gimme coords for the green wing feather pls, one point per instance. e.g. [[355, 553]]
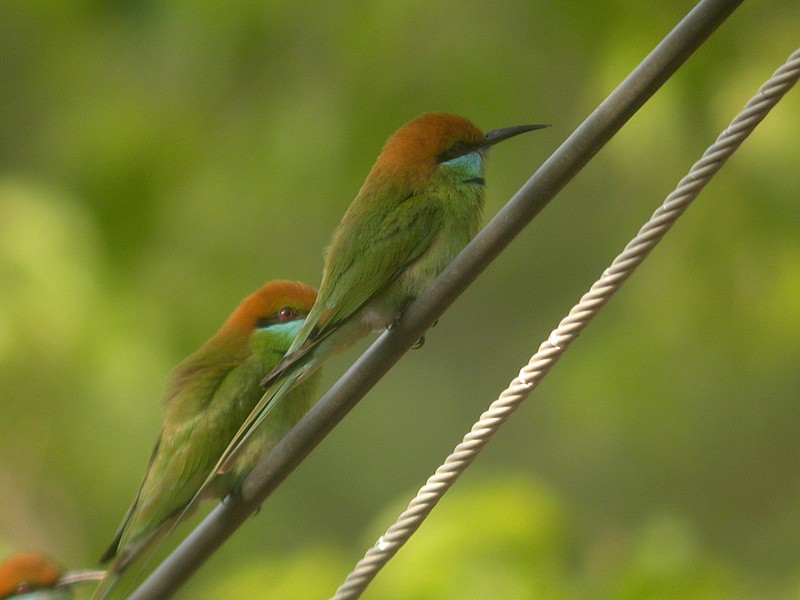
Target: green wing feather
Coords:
[[369, 252], [395, 238], [370, 256], [185, 451]]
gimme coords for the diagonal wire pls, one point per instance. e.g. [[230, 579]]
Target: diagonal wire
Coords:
[[570, 327]]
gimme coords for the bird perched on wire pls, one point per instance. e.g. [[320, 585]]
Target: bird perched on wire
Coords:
[[208, 398], [34, 576], [420, 205], [26, 573]]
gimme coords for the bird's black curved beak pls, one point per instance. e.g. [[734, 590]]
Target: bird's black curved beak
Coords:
[[489, 139], [496, 136]]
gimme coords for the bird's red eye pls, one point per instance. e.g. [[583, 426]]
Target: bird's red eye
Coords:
[[287, 314]]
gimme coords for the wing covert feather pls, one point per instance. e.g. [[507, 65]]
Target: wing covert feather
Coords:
[[371, 254]]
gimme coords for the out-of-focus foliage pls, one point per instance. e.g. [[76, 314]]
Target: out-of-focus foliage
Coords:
[[160, 160], [510, 537]]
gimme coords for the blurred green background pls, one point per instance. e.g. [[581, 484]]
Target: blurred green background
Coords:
[[161, 160]]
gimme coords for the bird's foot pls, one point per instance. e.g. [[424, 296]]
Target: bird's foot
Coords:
[[235, 495], [420, 342]]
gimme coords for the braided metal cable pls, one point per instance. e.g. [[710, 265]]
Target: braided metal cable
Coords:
[[570, 327]]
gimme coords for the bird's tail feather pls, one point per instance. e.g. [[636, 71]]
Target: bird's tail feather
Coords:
[[282, 367], [133, 553], [273, 395]]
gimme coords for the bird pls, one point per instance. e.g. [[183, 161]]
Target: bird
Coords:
[[29, 575], [35, 576], [420, 205], [208, 396]]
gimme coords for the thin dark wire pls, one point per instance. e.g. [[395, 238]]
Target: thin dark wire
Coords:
[[554, 174], [569, 328]]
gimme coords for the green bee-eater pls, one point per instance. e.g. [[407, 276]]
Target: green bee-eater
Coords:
[[29, 575], [33, 576], [421, 203], [208, 397]]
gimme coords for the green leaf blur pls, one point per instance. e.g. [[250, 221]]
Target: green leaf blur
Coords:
[[161, 160]]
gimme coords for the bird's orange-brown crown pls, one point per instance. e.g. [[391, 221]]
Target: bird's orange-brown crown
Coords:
[[268, 301], [27, 571], [413, 149]]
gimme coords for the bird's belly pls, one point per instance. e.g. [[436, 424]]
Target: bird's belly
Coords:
[[377, 316], [421, 273], [387, 307]]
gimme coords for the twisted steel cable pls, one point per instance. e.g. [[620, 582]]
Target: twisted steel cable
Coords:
[[570, 327]]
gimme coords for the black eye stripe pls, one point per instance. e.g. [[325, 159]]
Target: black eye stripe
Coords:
[[459, 148], [264, 322]]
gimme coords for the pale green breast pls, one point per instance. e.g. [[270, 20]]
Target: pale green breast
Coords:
[[286, 413]]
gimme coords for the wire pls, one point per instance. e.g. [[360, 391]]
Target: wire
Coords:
[[570, 327]]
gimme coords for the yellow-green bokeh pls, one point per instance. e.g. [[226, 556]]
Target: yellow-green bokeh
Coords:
[[159, 160]]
